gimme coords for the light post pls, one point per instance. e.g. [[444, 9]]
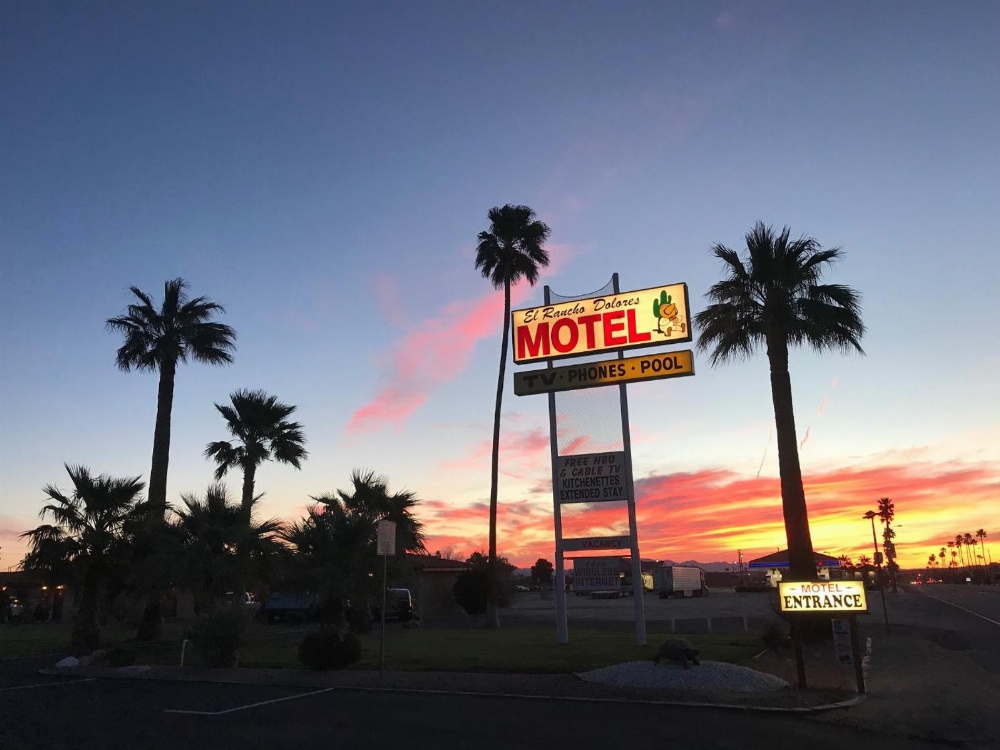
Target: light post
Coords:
[[871, 515]]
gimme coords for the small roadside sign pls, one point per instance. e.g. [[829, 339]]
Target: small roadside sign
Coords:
[[386, 538]]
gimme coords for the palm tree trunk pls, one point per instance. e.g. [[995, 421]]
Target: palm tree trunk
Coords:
[[492, 592], [246, 500], [86, 631], [801, 561], [161, 441], [152, 616]]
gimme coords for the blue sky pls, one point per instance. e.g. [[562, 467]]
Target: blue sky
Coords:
[[322, 170]]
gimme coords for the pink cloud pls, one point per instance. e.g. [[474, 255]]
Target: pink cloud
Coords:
[[437, 350]]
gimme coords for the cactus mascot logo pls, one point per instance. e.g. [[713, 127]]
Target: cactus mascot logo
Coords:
[[665, 309]]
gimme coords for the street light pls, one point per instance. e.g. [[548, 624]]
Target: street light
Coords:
[[871, 515]]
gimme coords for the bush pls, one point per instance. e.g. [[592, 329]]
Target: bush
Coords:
[[329, 648], [218, 636], [121, 656], [776, 638]]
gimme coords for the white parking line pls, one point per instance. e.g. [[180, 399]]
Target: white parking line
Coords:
[[956, 606], [243, 708], [46, 684]]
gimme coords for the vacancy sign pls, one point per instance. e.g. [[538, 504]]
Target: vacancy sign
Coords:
[[646, 317], [822, 596]]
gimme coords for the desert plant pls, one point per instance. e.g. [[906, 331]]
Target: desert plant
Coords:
[[218, 636], [330, 648], [775, 637]]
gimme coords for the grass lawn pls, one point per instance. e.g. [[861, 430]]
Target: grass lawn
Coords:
[[515, 650]]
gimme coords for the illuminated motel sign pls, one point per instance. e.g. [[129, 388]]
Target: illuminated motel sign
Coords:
[[627, 320], [822, 596]]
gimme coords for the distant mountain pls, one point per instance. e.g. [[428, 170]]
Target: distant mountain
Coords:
[[711, 567]]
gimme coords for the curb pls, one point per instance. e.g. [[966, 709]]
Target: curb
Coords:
[[130, 673]]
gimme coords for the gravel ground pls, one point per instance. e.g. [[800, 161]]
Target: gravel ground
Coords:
[[709, 675]]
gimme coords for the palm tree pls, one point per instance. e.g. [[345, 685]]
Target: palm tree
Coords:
[[981, 533], [886, 512], [513, 248], [259, 422], [970, 544], [181, 329], [336, 544], [961, 552], [774, 300], [210, 531], [90, 527]]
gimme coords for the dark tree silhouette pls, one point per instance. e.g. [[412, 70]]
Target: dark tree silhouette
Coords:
[[773, 299], [511, 249]]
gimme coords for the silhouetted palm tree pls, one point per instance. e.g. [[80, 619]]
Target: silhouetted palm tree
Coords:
[[970, 544], [774, 300], [336, 544], [259, 422], [981, 533], [961, 552], [887, 512], [90, 526], [511, 249], [157, 339], [210, 532]]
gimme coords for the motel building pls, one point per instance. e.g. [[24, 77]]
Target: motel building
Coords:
[[775, 566]]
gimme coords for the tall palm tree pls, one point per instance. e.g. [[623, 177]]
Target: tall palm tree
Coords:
[[210, 531], [259, 422], [89, 526], [774, 299], [959, 539], [970, 544], [887, 512], [513, 248], [981, 533], [157, 339]]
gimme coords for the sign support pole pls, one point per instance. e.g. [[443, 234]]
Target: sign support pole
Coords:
[[859, 672], [385, 545], [381, 644], [562, 624], [638, 590]]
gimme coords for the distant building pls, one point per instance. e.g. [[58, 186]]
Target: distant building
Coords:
[[776, 564]]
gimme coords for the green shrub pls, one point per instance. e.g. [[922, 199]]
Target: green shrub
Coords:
[[776, 637], [218, 636], [121, 656], [329, 648]]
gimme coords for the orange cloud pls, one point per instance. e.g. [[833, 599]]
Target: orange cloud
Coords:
[[710, 514]]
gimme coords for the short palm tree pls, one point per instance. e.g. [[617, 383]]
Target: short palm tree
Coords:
[[513, 248], [89, 526], [157, 339], [774, 299], [210, 531], [338, 541], [259, 422]]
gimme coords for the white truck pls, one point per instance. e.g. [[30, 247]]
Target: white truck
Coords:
[[679, 581]]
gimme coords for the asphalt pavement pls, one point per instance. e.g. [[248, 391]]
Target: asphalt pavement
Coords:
[[934, 681]]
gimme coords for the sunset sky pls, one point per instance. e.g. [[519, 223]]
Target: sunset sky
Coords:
[[322, 170]]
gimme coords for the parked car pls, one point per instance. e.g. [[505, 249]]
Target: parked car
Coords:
[[398, 605]]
